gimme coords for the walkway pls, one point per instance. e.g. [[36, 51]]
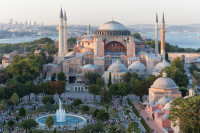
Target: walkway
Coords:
[[150, 122]]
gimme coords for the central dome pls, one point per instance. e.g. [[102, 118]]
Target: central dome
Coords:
[[117, 67], [113, 28], [112, 25]]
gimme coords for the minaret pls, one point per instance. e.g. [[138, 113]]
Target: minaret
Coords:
[[88, 30], [156, 35], [65, 34], [163, 37], [61, 38]]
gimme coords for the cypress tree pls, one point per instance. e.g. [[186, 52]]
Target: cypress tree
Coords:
[[109, 81]]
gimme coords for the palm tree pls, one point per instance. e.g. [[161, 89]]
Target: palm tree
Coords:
[[113, 129], [49, 122]]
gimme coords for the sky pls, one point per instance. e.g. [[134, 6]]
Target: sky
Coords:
[[97, 12]]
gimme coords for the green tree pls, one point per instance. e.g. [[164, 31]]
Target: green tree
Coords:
[[49, 122], [176, 72], [150, 80], [61, 77], [137, 36], [184, 91], [2, 93], [48, 99], [50, 48], [126, 77], [23, 66], [3, 76], [94, 89], [102, 115], [123, 89], [10, 123], [130, 128], [109, 80], [30, 87], [92, 77], [94, 128], [113, 89], [113, 129], [77, 102], [28, 124], [105, 96], [184, 112], [53, 77], [178, 63], [15, 99], [193, 68], [57, 87], [140, 89], [44, 40], [2, 107], [85, 108], [100, 82], [22, 112]]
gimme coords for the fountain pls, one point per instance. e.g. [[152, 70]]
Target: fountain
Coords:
[[60, 113], [61, 118]]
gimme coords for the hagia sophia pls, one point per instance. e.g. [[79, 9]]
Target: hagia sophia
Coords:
[[110, 49]]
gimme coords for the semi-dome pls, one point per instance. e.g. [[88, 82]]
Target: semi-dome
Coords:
[[90, 66], [164, 100], [160, 66], [117, 67], [164, 83], [137, 67], [112, 25], [112, 28], [167, 106]]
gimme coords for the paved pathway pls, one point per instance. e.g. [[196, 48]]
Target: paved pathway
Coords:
[[150, 122]]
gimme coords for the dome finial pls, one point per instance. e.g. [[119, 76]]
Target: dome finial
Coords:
[[112, 18], [164, 74], [117, 61]]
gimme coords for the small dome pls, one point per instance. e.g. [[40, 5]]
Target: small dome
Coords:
[[167, 106], [117, 67], [164, 83], [164, 100], [160, 66], [90, 66], [112, 25], [137, 67]]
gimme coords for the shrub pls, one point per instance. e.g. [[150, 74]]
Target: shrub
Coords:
[[85, 108]]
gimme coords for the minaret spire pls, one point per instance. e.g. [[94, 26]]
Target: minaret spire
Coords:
[[163, 37], [156, 35], [61, 55], [88, 31], [61, 13], [65, 33], [163, 18]]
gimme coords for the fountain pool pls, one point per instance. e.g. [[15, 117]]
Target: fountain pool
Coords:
[[69, 120], [63, 119]]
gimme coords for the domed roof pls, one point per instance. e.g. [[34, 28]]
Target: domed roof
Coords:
[[89, 66], [117, 67], [164, 100], [167, 106], [112, 25], [137, 66], [164, 83], [160, 66]]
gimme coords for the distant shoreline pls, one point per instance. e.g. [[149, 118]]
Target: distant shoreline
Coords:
[[181, 39]]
